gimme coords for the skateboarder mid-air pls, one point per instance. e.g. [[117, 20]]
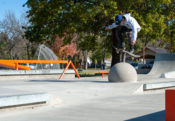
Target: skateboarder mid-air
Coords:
[[126, 24]]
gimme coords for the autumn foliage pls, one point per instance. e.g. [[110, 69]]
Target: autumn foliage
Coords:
[[64, 51]]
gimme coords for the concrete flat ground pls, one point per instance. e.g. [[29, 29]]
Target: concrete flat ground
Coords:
[[86, 99]]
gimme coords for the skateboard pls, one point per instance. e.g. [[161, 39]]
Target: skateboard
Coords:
[[123, 53], [131, 54]]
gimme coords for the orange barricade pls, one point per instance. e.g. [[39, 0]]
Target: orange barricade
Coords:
[[104, 73], [14, 64]]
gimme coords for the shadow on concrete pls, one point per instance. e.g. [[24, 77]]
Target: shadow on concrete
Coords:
[[157, 116], [69, 81]]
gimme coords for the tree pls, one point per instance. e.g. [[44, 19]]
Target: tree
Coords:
[[12, 35], [89, 17], [3, 46], [85, 18], [170, 22], [64, 51], [53, 17], [171, 36], [13, 44]]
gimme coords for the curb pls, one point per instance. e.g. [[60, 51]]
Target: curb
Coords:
[[24, 99], [161, 85]]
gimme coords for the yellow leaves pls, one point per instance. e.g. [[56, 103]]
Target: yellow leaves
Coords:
[[40, 5], [60, 7], [149, 18], [113, 4], [106, 12], [166, 1]]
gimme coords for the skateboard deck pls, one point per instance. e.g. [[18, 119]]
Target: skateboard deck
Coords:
[[131, 54], [127, 52]]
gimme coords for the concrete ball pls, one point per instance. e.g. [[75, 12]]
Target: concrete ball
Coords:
[[122, 72]]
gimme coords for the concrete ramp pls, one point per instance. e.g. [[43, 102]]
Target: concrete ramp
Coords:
[[163, 63]]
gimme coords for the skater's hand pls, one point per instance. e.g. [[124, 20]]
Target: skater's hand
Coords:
[[133, 42]]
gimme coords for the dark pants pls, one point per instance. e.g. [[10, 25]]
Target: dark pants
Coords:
[[121, 32]]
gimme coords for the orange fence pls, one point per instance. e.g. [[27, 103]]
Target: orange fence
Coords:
[[104, 73], [15, 64]]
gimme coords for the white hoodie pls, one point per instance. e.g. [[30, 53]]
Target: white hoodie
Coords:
[[131, 23]]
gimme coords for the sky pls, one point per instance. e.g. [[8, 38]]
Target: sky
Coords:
[[15, 6]]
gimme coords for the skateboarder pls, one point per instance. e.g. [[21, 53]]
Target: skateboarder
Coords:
[[118, 20], [127, 24]]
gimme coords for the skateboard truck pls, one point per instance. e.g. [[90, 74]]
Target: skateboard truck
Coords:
[[123, 53]]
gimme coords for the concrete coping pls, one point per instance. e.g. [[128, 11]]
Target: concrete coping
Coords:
[[170, 74], [35, 72], [161, 85], [23, 99]]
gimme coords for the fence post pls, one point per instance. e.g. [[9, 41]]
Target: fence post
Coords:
[[16, 66], [65, 70], [76, 72]]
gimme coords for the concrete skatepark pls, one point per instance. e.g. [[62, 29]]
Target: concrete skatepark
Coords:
[[88, 99]]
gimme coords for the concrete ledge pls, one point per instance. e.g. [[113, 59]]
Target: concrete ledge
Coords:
[[53, 74], [161, 85], [24, 99], [34, 72], [36, 77], [168, 75]]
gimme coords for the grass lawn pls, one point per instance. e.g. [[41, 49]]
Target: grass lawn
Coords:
[[91, 72]]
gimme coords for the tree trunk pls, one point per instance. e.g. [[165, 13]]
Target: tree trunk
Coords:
[[144, 48], [172, 49], [115, 56], [28, 50], [85, 54], [143, 54]]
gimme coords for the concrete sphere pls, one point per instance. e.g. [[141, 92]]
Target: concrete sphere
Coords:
[[122, 72]]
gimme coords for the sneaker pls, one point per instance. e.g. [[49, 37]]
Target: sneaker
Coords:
[[131, 51]]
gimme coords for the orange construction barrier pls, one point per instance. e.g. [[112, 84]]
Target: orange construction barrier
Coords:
[[104, 73], [33, 61], [70, 63], [170, 105], [15, 64]]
